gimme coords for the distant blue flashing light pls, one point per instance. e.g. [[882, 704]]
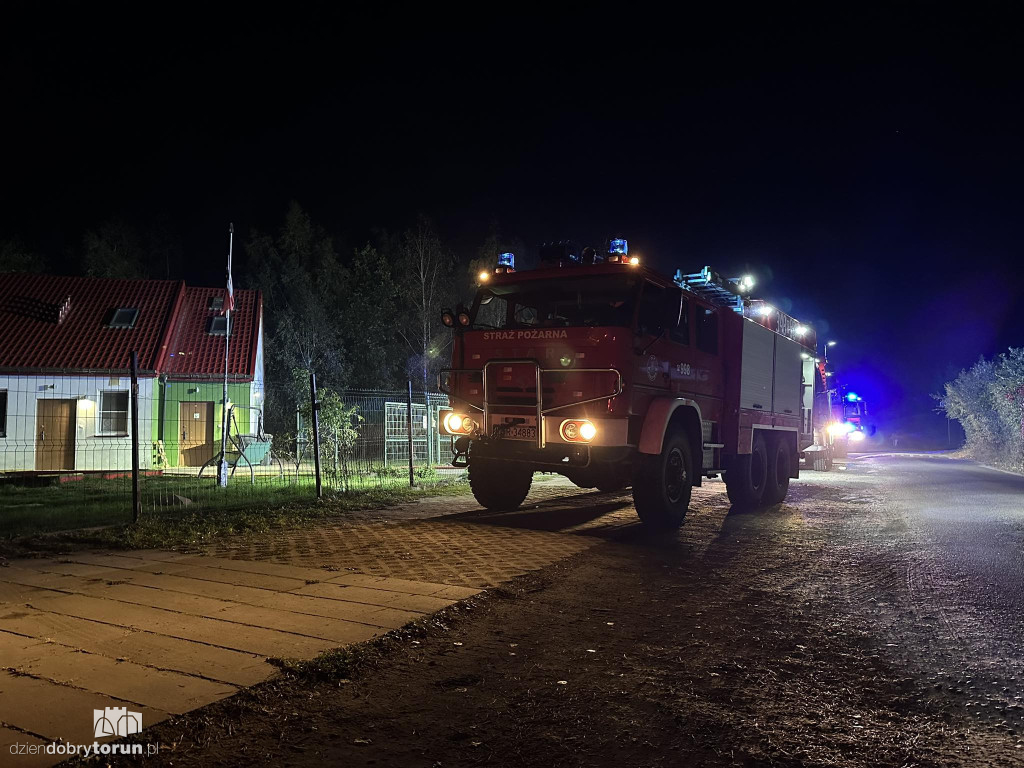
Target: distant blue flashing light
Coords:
[[507, 260], [618, 246], [852, 397]]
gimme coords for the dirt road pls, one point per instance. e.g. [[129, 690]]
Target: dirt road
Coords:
[[874, 619]]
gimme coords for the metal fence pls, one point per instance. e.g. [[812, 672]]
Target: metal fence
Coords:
[[66, 446]]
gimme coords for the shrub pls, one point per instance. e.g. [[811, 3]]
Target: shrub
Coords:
[[988, 401]]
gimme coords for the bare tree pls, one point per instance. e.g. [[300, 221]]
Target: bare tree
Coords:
[[426, 269]]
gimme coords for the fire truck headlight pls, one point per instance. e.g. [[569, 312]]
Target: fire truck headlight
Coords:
[[464, 318], [447, 319], [484, 276], [857, 436], [634, 260], [840, 428], [577, 431], [457, 423]]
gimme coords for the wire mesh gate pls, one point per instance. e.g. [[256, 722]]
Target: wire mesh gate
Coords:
[[429, 445]]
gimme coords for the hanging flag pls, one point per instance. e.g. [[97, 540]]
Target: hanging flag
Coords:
[[229, 301]]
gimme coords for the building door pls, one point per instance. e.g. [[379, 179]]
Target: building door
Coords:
[[196, 428], [55, 435]]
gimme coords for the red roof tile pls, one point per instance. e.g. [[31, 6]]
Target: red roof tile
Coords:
[[54, 323], [194, 352]]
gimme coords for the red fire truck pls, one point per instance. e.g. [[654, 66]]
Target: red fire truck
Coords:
[[603, 370]]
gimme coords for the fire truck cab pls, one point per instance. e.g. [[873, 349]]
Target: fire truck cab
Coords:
[[614, 375]]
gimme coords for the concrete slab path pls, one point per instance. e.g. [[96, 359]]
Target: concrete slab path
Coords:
[[162, 633]]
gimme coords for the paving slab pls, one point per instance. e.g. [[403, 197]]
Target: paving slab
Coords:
[[52, 711], [10, 738], [170, 691], [199, 659], [16, 593], [223, 634], [409, 587], [296, 600], [336, 630], [154, 650], [259, 566], [68, 630], [400, 600]]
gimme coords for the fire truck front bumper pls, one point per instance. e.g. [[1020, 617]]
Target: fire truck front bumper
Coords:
[[565, 442], [556, 430]]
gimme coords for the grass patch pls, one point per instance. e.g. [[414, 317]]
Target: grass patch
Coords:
[[39, 519]]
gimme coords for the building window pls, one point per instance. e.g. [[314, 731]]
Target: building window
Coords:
[[707, 330], [216, 304], [114, 413], [217, 326], [3, 413], [124, 317]]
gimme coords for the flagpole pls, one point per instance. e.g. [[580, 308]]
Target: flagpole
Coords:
[[222, 473]]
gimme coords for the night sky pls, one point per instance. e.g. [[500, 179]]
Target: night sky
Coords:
[[866, 168]]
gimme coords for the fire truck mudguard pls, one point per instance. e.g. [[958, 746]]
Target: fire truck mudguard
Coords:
[[664, 411]]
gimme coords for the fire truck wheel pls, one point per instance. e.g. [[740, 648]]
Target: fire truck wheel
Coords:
[[780, 461], [747, 476], [661, 490], [498, 485]]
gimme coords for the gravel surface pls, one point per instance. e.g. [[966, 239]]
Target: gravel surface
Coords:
[[873, 620]]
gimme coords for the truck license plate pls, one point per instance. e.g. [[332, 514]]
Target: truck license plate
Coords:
[[520, 432]]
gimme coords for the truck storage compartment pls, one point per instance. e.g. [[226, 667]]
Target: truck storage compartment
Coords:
[[756, 367], [788, 374]]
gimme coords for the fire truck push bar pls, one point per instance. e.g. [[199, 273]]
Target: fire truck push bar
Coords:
[[541, 410]]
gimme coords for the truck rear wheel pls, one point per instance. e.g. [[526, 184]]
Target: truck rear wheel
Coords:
[[780, 461], [747, 475], [661, 490], [497, 485]]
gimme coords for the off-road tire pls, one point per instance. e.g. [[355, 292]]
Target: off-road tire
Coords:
[[498, 485], [663, 484], [780, 462], [747, 476]]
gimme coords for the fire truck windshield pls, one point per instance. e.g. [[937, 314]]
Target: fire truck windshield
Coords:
[[581, 300]]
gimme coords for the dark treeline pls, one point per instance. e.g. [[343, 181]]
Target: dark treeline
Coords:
[[367, 317]]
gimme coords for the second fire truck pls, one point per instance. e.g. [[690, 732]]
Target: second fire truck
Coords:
[[601, 369]]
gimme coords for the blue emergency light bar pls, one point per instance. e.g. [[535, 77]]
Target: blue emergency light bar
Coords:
[[618, 246], [507, 260]]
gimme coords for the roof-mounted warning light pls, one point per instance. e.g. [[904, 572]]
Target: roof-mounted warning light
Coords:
[[618, 250], [506, 263]]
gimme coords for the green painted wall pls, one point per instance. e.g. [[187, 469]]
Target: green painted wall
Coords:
[[173, 393]]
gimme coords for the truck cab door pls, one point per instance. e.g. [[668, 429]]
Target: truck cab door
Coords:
[[651, 335]]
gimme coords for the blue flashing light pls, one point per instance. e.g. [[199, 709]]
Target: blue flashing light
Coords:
[[618, 246], [852, 397], [507, 260]]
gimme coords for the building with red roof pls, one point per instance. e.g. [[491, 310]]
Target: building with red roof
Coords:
[[65, 344]]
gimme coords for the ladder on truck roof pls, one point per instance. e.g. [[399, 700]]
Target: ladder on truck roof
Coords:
[[708, 284]]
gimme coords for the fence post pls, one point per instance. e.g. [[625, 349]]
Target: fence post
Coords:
[[136, 501], [315, 410], [408, 424]]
